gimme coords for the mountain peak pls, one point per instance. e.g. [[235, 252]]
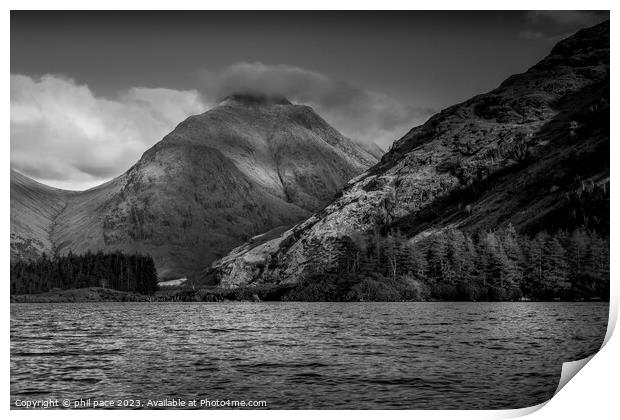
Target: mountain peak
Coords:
[[248, 98], [252, 164]]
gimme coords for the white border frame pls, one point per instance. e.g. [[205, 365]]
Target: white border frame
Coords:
[[592, 394]]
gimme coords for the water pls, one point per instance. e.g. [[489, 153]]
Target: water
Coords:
[[302, 355]]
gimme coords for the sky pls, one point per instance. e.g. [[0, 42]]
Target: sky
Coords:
[[92, 91]]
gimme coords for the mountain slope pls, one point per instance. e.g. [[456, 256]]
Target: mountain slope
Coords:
[[247, 166], [34, 209], [287, 149], [534, 152]]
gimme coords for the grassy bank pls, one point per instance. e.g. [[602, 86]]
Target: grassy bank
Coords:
[[166, 294], [87, 294]]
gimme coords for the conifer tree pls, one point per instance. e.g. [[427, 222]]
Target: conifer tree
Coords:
[[554, 267]]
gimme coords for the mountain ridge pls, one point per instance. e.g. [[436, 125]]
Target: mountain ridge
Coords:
[[509, 156]]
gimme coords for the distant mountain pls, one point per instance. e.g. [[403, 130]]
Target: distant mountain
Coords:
[[533, 153], [247, 166], [374, 150]]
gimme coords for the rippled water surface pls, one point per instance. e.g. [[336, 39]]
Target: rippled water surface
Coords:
[[302, 355]]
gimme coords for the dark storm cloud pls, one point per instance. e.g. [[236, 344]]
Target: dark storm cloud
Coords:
[[579, 18], [553, 25], [365, 116]]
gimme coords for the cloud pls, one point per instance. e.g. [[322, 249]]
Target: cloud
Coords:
[[554, 25], [577, 18], [363, 115], [64, 135]]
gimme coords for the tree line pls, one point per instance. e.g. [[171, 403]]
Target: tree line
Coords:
[[119, 271], [454, 265]]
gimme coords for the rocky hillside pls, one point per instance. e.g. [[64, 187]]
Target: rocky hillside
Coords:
[[533, 153], [245, 167]]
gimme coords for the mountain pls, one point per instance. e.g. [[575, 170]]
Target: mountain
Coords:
[[533, 153], [249, 165], [34, 208], [374, 150]]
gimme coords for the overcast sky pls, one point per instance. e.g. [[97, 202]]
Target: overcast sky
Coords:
[[91, 91]]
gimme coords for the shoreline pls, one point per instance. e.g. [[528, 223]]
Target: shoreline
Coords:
[[213, 295]]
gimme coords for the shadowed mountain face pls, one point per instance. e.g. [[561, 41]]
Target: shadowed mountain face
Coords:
[[534, 153], [247, 166]]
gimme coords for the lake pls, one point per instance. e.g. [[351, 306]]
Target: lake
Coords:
[[302, 355]]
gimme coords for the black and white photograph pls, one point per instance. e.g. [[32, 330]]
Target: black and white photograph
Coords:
[[306, 210]]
